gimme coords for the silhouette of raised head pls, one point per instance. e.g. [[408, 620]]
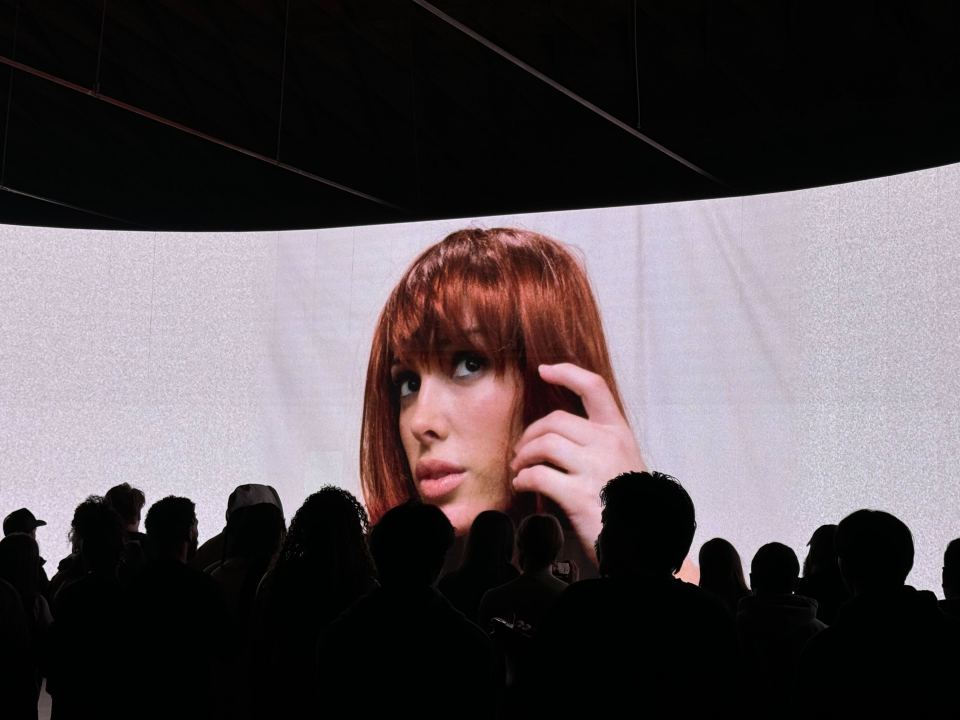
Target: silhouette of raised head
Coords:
[[172, 527], [774, 570], [539, 540], [648, 524], [98, 531], [128, 502], [875, 551], [410, 543]]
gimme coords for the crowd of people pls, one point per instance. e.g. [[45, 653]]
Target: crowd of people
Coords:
[[330, 617]]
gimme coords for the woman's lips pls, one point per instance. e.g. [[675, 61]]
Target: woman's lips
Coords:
[[437, 478]]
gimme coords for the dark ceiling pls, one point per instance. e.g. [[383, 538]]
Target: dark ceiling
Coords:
[[254, 114]]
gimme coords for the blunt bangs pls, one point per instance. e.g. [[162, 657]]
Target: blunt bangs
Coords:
[[455, 300]]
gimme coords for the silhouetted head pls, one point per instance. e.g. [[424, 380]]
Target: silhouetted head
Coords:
[[128, 502], [721, 570], [775, 570], [97, 530], [20, 565], [539, 539], [410, 543], [875, 551], [22, 521], [255, 531], [490, 542], [328, 534], [648, 524], [252, 494], [951, 570], [822, 556], [172, 528]]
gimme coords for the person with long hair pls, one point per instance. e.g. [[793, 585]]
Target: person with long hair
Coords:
[[323, 567], [490, 386], [821, 578], [721, 573]]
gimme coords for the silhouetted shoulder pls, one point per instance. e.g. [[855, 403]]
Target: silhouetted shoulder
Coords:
[[585, 591], [649, 637], [408, 639], [951, 607], [884, 650], [645, 591], [527, 598]]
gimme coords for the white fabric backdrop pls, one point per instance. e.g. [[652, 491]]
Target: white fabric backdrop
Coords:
[[789, 357]]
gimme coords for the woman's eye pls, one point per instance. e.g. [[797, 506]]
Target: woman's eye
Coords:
[[407, 384], [467, 365]]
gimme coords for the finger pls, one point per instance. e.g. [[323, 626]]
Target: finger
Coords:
[[593, 390], [573, 427], [550, 448], [544, 480]]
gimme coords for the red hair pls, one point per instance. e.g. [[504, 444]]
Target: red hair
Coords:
[[518, 297]]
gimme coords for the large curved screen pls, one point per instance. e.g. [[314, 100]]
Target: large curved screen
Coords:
[[790, 357]]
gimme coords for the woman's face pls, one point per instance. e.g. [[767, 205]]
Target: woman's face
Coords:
[[458, 422]]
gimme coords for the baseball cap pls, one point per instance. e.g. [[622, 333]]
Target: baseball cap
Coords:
[[22, 521]]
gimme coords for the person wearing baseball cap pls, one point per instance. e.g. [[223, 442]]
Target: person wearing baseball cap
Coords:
[[22, 521]]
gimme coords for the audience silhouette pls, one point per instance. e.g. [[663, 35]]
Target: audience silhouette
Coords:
[[252, 540], [128, 503], [19, 567], [525, 600], [255, 533], [890, 648], [323, 567], [821, 579], [511, 613], [214, 550], [19, 688], [773, 626], [487, 563], [331, 618], [88, 670], [403, 650], [638, 639], [721, 573], [24, 521], [180, 616]]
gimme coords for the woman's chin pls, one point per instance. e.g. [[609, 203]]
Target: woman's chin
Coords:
[[689, 572], [461, 513], [460, 517]]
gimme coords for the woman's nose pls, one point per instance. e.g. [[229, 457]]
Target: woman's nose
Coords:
[[430, 419]]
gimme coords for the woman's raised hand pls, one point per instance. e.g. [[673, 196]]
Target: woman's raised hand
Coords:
[[569, 458]]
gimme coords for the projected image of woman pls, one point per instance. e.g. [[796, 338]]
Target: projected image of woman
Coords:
[[489, 380]]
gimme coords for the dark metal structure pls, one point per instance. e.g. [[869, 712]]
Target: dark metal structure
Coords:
[[253, 114]]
